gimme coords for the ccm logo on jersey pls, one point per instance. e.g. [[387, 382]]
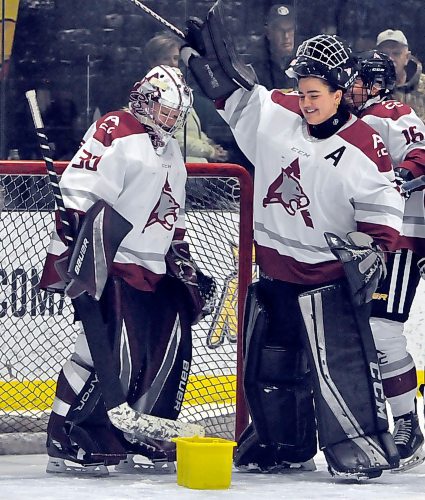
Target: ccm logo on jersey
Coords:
[[81, 255]]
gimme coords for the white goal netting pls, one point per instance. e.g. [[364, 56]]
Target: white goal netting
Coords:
[[36, 327]]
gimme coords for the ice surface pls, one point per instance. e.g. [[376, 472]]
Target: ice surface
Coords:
[[23, 477]]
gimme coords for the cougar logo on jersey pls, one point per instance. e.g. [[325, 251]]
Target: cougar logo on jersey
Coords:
[[166, 210], [287, 191]]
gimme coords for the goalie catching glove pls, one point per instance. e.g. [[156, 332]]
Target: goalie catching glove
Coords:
[[202, 289], [363, 263], [211, 56]]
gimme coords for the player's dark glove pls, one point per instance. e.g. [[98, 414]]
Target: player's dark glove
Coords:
[[403, 175], [193, 35], [363, 263], [421, 266]]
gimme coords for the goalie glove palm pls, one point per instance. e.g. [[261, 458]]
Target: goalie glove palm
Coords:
[[363, 263]]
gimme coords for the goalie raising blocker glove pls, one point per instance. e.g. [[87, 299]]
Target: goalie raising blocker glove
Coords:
[[363, 263]]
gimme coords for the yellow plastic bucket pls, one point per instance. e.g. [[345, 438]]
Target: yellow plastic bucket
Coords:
[[204, 463]]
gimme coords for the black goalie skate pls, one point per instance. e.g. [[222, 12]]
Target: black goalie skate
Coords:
[[148, 456], [80, 451], [252, 456], [409, 440]]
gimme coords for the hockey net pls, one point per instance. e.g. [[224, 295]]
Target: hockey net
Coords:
[[37, 328]]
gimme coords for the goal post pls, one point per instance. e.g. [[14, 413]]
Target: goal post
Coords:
[[37, 328]]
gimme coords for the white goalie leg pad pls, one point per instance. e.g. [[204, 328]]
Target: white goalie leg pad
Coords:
[[352, 424]]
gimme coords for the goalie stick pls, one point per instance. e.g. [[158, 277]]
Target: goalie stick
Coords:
[[160, 19], [138, 425], [413, 184]]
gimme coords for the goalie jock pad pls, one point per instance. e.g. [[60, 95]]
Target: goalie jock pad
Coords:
[[212, 58], [349, 397], [100, 235]]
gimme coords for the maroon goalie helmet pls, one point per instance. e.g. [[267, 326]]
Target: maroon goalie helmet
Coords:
[[162, 100]]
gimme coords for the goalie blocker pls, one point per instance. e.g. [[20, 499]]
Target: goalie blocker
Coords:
[[349, 397], [95, 247], [211, 56]]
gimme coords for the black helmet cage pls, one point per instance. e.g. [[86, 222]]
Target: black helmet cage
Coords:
[[327, 57], [326, 49], [376, 68]]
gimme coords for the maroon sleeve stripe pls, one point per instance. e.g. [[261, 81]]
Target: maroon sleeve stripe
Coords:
[[361, 136], [107, 130], [386, 237], [415, 162], [287, 101]]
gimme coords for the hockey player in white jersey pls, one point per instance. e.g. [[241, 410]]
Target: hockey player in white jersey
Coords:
[[320, 173], [130, 159], [403, 133]]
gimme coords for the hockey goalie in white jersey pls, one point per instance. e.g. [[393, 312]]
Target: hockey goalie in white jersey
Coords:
[[403, 133], [130, 160], [322, 177]]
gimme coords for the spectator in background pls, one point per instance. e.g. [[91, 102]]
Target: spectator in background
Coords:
[[277, 50], [410, 84], [164, 48]]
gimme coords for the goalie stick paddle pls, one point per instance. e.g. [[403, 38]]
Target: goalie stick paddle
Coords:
[[120, 413]]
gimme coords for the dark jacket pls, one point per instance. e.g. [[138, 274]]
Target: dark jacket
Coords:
[[413, 91]]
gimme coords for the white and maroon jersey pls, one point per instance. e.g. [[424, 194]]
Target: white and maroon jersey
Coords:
[[404, 135], [306, 186], [117, 163]]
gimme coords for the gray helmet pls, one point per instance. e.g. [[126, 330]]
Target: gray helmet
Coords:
[[327, 57]]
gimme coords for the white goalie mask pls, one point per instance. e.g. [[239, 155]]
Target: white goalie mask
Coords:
[[162, 101]]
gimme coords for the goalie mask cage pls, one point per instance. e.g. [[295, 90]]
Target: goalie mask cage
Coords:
[[37, 330]]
